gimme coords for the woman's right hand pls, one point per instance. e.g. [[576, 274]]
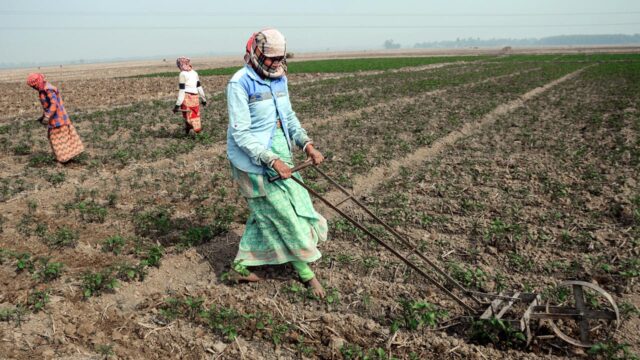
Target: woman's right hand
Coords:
[[282, 169]]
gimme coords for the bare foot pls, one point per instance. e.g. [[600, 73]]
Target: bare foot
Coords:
[[249, 278], [316, 287]]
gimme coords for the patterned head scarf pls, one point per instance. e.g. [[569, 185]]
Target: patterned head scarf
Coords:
[[37, 81], [184, 63], [263, 45]]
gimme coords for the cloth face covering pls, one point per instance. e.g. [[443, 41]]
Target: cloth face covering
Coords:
[[263, 45]]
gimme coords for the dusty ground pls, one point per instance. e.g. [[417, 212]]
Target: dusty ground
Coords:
[[509, 175]]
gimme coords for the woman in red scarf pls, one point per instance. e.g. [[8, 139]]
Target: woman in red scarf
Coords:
[[64, 139]]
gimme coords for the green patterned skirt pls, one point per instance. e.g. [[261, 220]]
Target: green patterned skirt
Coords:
[[283, 225]]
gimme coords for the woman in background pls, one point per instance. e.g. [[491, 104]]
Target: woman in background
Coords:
[[190, 90], [64, 139]]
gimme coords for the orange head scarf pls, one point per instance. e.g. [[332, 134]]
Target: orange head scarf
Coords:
[[36, 81]]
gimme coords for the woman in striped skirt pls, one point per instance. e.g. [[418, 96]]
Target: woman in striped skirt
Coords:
[[283, 226], [64, 139]]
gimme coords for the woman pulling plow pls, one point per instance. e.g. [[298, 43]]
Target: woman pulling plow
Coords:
[[189, 92], [283, 227], [64, 139]]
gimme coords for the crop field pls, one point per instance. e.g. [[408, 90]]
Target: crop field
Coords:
[[511, 172]]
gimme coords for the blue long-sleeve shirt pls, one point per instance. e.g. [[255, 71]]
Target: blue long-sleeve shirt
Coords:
[[255, 105]]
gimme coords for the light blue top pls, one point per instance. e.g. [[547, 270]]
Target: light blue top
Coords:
[[255, 105]]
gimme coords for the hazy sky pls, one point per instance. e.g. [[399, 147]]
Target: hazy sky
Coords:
[[68, 30]]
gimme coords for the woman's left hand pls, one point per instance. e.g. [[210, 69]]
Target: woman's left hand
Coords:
[[313, 154]]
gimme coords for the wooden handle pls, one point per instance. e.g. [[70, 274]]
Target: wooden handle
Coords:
[[294, 169]]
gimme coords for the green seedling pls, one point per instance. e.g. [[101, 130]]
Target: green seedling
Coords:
[[105, 350], [613, 351], [62, 237], [128, 272], [113, 244], [37, 300], [24, 263], [497, 332], [418, 314], [153, 256], [48, 271], [96, 283], [154, 222]]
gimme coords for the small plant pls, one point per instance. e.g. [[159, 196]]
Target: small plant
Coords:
[[193, 306], [105, 350], [224, 320], [497, 332], [628, 310], [63, 237], [500, 282], [358, 159], [630, 268], [370, 262], [13, 314], [500, 232], [37, 300], [332, 297], [48, 271], [236, 268], [519, 262], [4, 255], [468, 277], [55, 178], [96, 283], [295, 291], [154, 222], [344, 258], [112, 198], [127, 272], [40, 160], [89, 211], [22, 149], [195, 236], [302, 348], [278, 332], [170, 310], [153, 256], [351, 351], [612, 351], [113, 244], [355, 352], [24, 262], [417, 314]]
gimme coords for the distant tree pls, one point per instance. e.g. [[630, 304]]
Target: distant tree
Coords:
[[389, 44]]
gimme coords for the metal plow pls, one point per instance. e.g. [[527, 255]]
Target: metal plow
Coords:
[[583, 313]]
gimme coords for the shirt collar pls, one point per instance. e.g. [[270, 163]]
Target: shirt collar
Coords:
[[253, 75]]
